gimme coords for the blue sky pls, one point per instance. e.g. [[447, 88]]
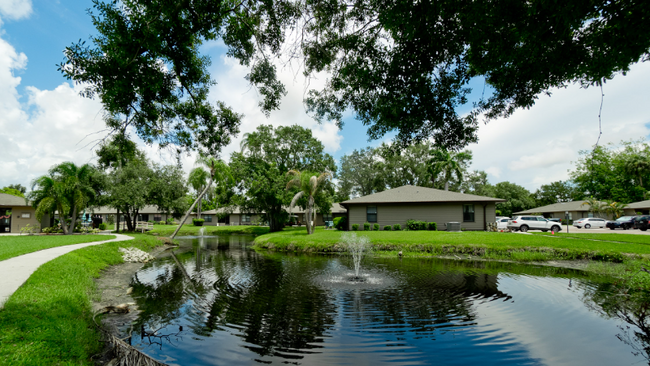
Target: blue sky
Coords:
[[43, 120]]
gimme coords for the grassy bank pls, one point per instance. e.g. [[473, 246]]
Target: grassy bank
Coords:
[[520, 247], [12, 246], [167, 230], [613, 237], [48, 321]]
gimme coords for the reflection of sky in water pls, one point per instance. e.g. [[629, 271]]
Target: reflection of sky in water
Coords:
[[391, 317]]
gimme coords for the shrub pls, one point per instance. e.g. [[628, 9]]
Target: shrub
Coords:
[[432, 226], [102, 226], [375, 227], [366, 226], [355, 227], [415, 225], [161, 223], [397, 227], [170, 221], [340, 223], [387, 228], [197, 222]]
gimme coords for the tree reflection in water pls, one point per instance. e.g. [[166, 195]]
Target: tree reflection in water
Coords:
[[618, 300]]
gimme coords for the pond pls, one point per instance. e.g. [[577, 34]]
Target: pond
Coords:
[[217, 302]]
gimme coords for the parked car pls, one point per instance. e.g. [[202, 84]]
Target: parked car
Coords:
[[555, 219], [502, 223], [642, 222], [525, 223], [589, 222], [623, 222]]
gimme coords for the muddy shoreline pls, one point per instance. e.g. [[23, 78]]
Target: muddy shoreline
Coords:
[[112, 288]]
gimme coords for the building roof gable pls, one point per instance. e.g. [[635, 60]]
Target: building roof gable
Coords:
[[11, 200], [415, 194]]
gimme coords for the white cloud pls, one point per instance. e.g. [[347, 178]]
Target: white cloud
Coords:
[[52, 126], [537, 146], [15, 9]]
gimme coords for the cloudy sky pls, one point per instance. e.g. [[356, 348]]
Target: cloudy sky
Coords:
[[43, 120]]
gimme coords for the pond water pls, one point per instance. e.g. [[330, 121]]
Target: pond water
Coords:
[[217, 302]]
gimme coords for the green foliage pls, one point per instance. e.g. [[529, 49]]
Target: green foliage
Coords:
[[614, 173], [309, 187], [397, 227], [387, 228], [29, 229], [405, 167], [432, 226], [366, 226], [518, 198], [375, 227], [506, 43], [102, 226], [355, 227], [560, 191], [340, 223], [415, 225], [197, 222], [260, 170], [444, 165], [361, 173], [12, 191]]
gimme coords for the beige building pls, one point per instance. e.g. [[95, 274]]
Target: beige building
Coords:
[[633, 208], [235, 216], [576, 209], [397, 205], [147, 213], [16, 213]]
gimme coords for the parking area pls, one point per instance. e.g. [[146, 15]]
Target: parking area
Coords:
[[574, 230]]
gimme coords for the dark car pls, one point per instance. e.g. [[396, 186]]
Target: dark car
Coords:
[[623, 222], [641, 222]]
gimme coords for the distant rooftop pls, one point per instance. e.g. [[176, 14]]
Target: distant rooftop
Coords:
[[11, 200], [414, 194], [557, 207]]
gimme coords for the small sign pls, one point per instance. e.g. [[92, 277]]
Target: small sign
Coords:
[[26, 215]]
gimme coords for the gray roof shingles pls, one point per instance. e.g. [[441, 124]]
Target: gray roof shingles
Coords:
[[11, 200], [415, 194]]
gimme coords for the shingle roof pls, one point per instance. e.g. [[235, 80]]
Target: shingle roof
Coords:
[[413, 194], [336, 208], [148, 209], [641, 204], [11, 200], [558, 207]]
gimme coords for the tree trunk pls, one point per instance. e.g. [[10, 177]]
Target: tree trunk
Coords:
[[446, 185], [135, 219], [118, 220], [180, 225], [72, 220], [64, 225]]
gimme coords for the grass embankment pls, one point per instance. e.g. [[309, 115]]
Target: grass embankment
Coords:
[[48, 321], [613, 237], [13, 246], [167, 230], [519, 247]]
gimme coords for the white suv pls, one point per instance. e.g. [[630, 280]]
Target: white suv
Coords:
[[525, 223], [589, 222]]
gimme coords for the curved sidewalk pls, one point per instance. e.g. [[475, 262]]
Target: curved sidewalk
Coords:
[[15, 271]]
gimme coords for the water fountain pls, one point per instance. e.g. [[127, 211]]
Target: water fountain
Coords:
[[202, 231], [356, 246]]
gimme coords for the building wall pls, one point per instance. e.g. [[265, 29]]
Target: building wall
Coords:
[[440, 213], [575, 215], [18, 222], [236, 219]]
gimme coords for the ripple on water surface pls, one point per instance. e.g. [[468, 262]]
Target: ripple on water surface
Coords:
[[238, 307]]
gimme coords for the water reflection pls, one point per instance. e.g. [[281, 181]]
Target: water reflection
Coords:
[[226, 304]]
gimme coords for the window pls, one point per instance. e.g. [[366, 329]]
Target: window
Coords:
[[246, 218], [207, 218], [157, 218], [468, 213], [327, 217], [371, 213]]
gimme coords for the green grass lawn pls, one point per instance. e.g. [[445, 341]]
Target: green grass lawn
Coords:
[[614, 237], [48, 321], [167, 230], [12, 246], [490, 245]]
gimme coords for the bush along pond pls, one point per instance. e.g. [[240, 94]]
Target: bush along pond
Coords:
[[214, 301]]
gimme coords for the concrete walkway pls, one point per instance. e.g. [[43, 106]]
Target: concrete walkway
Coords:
[[15, 271]]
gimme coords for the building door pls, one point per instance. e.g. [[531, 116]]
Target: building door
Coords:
[[5, 220]]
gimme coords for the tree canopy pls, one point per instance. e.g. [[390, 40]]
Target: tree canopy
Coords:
[[399, 65]]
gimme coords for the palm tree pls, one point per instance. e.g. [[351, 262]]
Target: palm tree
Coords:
[[67, 187], [638, 165], [448, 163], [218, 171], [616, 209], [596, 207], [309, 184], [198, 178]]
